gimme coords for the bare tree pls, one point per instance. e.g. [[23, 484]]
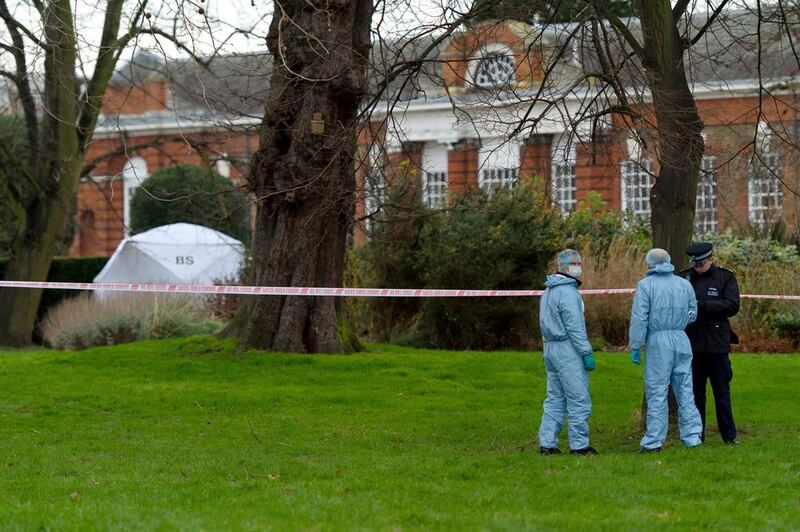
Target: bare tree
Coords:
[[302, 175], [635, 78], [43, 52], [631, 77]]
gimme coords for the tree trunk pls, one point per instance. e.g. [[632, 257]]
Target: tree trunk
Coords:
[[678, 129], [32, 254], [680, 143], [303, 173], [43, 208]]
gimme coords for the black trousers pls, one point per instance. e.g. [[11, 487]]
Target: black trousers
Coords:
[[715, 367]]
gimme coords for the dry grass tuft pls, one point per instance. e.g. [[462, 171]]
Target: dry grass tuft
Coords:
[[608, 316], [88, 321], [622, 267]]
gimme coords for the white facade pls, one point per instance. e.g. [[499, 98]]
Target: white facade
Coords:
[[434, 174], [133, 175]]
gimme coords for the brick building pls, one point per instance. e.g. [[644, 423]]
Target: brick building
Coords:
[[494, 103], [156, 115], [505, 101]]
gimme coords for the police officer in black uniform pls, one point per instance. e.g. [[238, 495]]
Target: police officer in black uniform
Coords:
[[717, 300]]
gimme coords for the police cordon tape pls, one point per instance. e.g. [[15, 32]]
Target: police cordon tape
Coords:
[[320, 291]]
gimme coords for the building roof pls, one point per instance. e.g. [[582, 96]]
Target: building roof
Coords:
[[234, 88], [229, 89]]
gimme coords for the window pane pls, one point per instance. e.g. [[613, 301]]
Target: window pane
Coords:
[[636, 183]]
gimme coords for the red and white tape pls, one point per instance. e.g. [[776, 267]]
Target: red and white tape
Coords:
[[320, 291]]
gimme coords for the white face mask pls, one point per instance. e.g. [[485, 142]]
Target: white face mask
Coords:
[[574, 270]]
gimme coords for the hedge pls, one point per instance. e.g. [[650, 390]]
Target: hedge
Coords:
[[64, 269]]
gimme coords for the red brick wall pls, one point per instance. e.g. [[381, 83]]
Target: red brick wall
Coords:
[[732, 175], [100, 204], [100, 218], [730, 123], [535, 158], [462, 166], [597, 169]]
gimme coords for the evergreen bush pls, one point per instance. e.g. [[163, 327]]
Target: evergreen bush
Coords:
[[504, 242], [191, 194]]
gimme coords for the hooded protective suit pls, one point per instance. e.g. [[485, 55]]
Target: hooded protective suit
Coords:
[[663, 306], [565, 344]]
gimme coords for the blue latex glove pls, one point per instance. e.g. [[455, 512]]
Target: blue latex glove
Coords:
[[588, 362], [636, 357]]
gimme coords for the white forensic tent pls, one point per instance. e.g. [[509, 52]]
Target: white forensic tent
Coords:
[[177, 253]]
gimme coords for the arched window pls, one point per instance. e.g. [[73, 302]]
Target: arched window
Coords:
[[223, 165], [133, 174], [495, 65]]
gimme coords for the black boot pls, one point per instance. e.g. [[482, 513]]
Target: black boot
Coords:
[[585, 450], [645, 450], [549, 450]]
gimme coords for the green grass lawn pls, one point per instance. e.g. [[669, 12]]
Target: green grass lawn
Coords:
[[187, 435]]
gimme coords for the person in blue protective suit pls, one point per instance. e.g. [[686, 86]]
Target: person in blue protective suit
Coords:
[[568, 359], [663, 306]]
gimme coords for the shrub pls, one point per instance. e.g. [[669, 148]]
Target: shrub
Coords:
[[591, 227], [223, 306], [734, 250], [505, 242], [621, 266], [788, 325], [186, 193], [390, 259], [88, 321]]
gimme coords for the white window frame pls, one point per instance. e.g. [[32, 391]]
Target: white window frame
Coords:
[[374, 184], [636, 180], [488, 53], [434, 174], [223, 165], [498, 164], [764, 186], [563, 188], [133, 175], [705, 209], [571, 52]]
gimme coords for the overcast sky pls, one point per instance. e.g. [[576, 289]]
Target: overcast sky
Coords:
[[237, 26]]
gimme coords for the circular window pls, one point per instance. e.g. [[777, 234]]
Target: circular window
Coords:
[[495, 68]]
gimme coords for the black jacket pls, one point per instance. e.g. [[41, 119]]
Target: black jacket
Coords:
[[717, 294]]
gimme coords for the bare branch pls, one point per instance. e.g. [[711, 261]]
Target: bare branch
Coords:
[[415, 65], [128, 148], [205, 62], [601, 7], [104, 68], [22, 170], [21, 82], [709, 22], [14, 26], [680, 8]]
